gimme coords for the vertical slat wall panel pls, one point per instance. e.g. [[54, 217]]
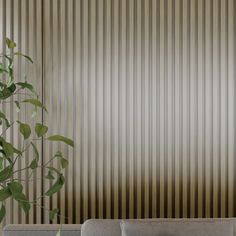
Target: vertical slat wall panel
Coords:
[[153, 104], [99, 107], [192, 107], [55, 75], [200, 111], [216, 110], [8, 109], [84, 109], [231, 102], [107, 106], [185, 108], [176, 71], [162, 107], [77, 118], [21, 20], [146, 88], [223, 107], [47, 90]]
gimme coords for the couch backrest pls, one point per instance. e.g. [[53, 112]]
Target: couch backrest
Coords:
[[101, 228], [112, 227], [41, 230]]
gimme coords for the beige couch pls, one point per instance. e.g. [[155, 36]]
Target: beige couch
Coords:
[[160, 227], [142, 227], [41, 230]]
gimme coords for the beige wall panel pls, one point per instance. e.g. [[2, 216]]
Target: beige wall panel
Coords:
[[21, 21], [146, 88]]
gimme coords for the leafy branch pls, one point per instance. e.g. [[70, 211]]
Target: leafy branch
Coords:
[[11, 186]]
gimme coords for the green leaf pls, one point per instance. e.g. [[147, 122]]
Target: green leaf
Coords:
[[40, 129], [34, 163], [1, 164], [22, 200], [53, 213], [58, 154], [49, 175], [2, 213], [12, 88], [3, 117], [26, 85], [15, 187], [2, 154], [58, 232], [64, 163], [10, 44], [54, 169], [61, 139], [9, 59], [6, 173], [23, 55], [56, 186], [25, 130], [17, 106], [8, 149], [2, 68], [17, 151], [35, 102], [4, 193], [6, 92], [36, 153], [10, 74]]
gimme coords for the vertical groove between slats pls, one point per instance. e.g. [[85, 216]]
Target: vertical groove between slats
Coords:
[[146, 89]]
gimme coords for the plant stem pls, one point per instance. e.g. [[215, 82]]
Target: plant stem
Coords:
[[4, 131]]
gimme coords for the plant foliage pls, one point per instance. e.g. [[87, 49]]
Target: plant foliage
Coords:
[[23, 94]]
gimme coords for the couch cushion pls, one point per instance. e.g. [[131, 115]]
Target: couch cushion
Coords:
[[112, 227], [176, 228], [101, 228], [41, 230]]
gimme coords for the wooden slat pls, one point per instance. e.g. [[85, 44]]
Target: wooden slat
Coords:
[[146, 90]]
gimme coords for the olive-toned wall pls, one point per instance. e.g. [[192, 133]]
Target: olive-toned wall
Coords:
[[147, 90]]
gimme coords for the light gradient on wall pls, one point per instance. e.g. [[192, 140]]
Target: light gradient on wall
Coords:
[[146, 89]]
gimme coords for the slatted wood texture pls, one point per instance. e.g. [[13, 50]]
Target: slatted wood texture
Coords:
[[147, 90]]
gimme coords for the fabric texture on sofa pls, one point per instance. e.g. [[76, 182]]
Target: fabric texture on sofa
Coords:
[[101, 228], [41, 230], [180, 228], [139, 227], [113, 227]]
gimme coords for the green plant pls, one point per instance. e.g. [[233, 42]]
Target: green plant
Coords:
[[10, 184]]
